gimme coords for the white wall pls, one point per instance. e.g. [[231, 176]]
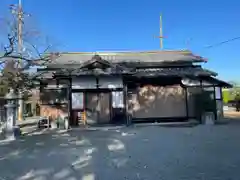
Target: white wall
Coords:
[[218, 93], [84, 83], [51, 84], [90, 82], [110, 82], [192, 82]]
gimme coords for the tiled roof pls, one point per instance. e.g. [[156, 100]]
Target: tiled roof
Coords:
[[147, 56], [183, 71], [148, 72], [43, 75], [218, 81]]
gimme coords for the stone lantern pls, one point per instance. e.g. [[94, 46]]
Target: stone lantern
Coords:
[[11, 130]]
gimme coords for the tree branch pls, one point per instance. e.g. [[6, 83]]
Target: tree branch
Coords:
[[14, 73]]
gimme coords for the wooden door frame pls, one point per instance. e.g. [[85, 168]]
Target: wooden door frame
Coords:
[[98, 91]]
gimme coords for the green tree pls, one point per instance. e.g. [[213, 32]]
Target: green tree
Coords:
[[230, 94], [226, 96]]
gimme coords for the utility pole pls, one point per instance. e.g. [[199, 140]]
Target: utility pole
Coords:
[[161, 33], [20, 43], [18, 13], [20, 23]]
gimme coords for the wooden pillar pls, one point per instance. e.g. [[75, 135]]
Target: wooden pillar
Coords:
[[221, 98], [201, 85], [40, 98], [221, 95], [110, 104], [70, 101], [98, 98], [215, 100], [186, 100], [125, 92]]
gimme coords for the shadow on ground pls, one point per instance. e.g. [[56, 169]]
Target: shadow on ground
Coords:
[[200, 152], [62, 155]]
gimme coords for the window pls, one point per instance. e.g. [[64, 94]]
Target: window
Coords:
[[117, 99], [77, 100]]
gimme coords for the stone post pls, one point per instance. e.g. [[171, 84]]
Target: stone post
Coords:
[[208, 118], [66, 123], [11, 131]]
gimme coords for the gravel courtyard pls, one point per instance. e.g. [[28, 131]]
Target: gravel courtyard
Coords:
[[146, 153]]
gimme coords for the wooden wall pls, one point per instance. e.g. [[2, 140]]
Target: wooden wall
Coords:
[[53, 111], [158, 102]]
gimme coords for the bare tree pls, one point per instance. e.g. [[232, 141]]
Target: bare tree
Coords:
[[15, 64]]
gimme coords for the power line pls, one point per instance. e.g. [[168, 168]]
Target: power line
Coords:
[[223, 42]]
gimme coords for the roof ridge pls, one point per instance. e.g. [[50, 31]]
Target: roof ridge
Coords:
[[127, 52]]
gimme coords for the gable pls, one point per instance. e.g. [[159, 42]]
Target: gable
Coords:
[[95, 66], [96, 62]]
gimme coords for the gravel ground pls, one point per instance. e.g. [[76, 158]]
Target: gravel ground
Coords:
[[146, 153], [232, 114]]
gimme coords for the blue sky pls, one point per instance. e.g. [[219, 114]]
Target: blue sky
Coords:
[[97, 25]]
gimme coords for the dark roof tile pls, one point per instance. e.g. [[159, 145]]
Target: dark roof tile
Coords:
[[183, 71], [147, 56]]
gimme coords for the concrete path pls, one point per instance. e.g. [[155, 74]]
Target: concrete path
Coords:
[[146, 153]]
